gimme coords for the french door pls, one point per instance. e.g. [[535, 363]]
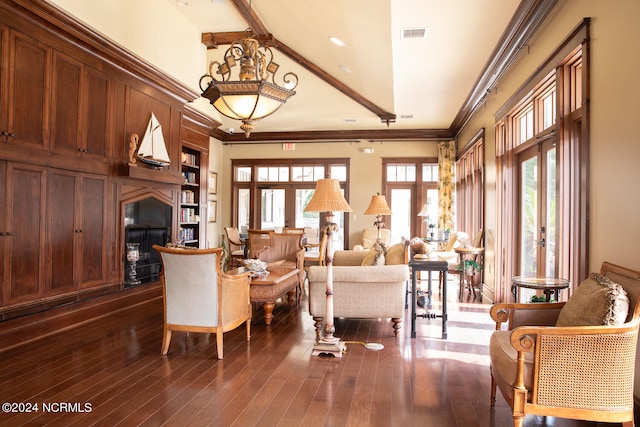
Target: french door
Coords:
[[283, 206], [537, 210]]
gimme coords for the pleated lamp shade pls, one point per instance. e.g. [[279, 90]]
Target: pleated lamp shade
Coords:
[[424, 211], [378, 206], [328, 198]]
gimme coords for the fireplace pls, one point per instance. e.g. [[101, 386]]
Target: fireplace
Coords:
[[147, 222]]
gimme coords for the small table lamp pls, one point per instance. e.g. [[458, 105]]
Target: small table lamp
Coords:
[[425, 213], [378, 207], [328, 198]]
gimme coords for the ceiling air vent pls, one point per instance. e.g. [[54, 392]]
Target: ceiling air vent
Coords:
[[414, 33]]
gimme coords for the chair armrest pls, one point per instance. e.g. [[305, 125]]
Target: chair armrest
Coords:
[[520, 314], [578, 365]]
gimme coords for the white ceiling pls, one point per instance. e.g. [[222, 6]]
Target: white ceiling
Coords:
[[428, 79]]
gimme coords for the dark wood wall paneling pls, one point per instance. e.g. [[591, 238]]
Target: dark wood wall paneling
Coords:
[[69, 102]]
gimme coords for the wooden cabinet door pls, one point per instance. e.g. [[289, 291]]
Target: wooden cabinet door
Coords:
[[28, 92], [96, 132], [65, 104], [62, 231], [91, 265], [77, 231], [24, 246]]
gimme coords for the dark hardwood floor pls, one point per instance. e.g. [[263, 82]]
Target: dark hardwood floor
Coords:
[[110, 372]]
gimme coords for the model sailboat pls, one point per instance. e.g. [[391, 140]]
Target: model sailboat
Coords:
[[152, 148]]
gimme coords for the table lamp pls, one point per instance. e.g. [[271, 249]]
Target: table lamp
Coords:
[[424, 212], [378, 207], [328, 198]]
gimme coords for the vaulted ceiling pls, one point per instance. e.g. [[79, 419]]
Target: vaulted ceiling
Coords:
[[409, 69]]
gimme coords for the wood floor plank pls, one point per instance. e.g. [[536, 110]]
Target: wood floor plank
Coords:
[[114, 364]]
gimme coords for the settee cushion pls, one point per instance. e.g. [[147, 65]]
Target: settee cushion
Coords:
[[596, 301]]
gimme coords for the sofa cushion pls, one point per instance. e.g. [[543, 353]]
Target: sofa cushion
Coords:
[[395, 254], [596, 301]]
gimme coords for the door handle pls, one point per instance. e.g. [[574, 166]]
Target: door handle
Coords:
[[542, 242]]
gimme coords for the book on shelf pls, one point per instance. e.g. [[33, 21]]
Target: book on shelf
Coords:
[[187, 196], [189, 159]]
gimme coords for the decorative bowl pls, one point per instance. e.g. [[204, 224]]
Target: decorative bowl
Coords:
[[255, 265]]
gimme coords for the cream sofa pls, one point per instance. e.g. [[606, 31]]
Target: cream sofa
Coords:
[[368, 292]]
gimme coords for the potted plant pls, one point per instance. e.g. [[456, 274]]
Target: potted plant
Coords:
[[471, 267]]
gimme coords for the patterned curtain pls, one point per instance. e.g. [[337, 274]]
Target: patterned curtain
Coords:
[[446, 184]]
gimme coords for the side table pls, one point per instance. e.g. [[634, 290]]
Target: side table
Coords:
[[464, 253], [428, 265], [545, 284]]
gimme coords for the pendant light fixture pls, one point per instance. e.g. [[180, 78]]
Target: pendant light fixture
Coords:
[[254, 93]]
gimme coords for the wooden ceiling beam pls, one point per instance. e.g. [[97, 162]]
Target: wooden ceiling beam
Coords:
[[337, 136]]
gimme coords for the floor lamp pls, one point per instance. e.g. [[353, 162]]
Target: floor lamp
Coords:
[[378, 207], [328, 198]]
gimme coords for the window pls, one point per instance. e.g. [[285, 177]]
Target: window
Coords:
[[409, 184], [541, 172], [470, 186], [272, 194]]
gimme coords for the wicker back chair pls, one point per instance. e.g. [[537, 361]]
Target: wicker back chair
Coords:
[[236, 246], [198, 297], [579, 372], [258, 240]]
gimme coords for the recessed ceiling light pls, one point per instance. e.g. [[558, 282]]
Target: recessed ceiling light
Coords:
[[350, 120], [182, 3], [336, 41], [344, 69], [406, 116]]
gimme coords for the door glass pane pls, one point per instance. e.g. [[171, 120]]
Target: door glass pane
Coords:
[[243, 209], [272, 208], [401, 218], [550, 226], [529, 216], [432, 212], [310, 221]]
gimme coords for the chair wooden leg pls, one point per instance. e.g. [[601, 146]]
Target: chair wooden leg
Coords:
[[494, 386], [249, 329], [219, 336], [318, 326], [396, 325], [166, 339]]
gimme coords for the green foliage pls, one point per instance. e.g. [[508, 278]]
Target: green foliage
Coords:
[[469, 264]]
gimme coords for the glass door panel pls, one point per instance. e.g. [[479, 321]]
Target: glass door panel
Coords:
[[272, 209], [244, 209], [538, 222], [529, 216], [551, 246], [401, 202], [310, 221]]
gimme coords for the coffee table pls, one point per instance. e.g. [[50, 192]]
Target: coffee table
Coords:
[[267, 288]]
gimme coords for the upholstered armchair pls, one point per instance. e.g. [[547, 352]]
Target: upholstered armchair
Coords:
[[545, 363], [370, 236], [198, 297], [285, 249]]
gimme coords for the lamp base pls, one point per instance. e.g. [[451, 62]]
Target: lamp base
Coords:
[[333, 347]]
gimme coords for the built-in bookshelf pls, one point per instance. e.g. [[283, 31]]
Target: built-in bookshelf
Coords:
[[190, 212]]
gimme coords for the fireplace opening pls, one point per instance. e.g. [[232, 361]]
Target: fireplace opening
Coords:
[[147, 222]]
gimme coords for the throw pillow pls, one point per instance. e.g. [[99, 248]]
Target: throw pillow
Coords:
[[597, 301], [375, 255], [395, 254]]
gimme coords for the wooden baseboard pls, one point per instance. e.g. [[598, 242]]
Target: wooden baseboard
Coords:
[[19, 331]]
